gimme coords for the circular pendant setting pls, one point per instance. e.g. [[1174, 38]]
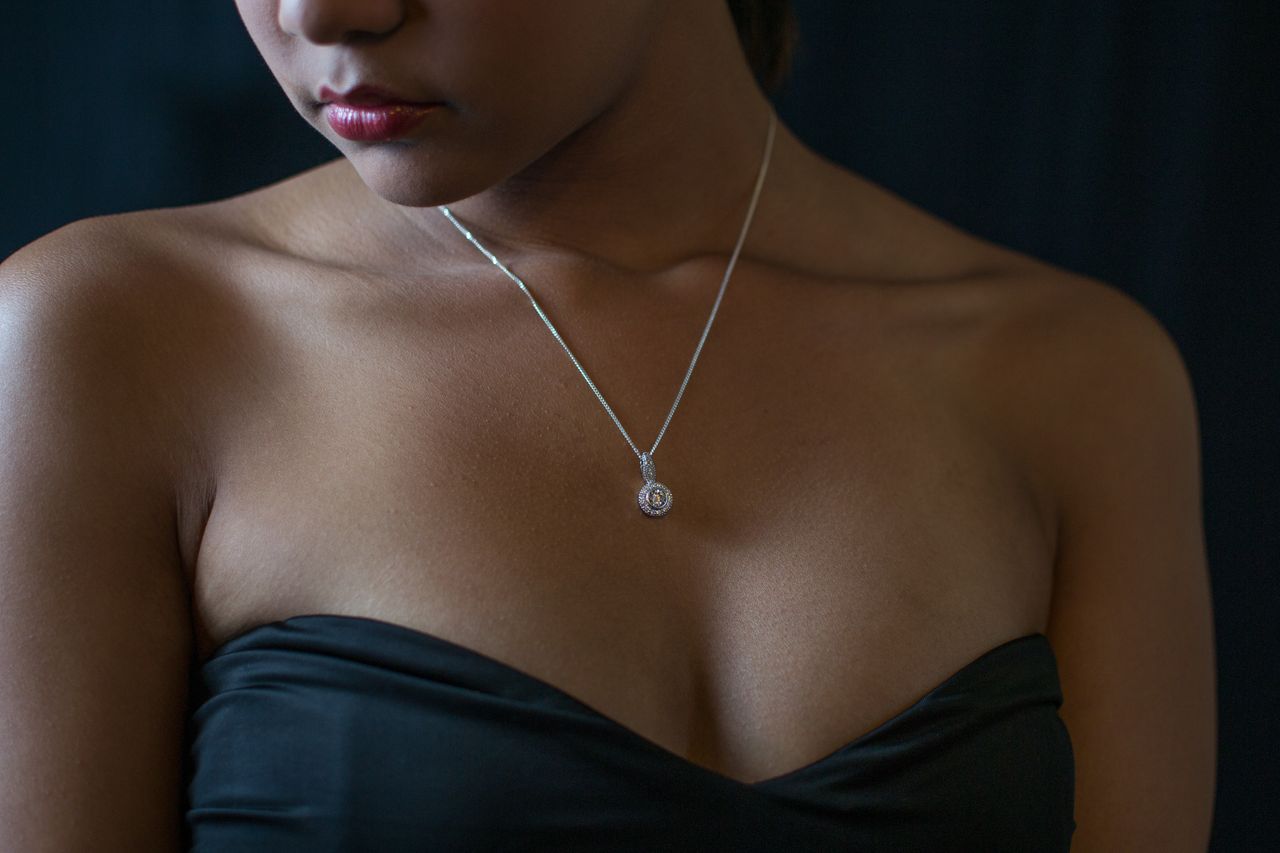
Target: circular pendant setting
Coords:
[[654, 497]]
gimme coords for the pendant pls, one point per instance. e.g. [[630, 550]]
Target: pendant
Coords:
[[654, 497]]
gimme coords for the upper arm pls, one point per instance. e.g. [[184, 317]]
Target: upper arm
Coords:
[[94, 619], [1131, 619]]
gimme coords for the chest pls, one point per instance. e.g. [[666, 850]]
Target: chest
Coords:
[[844, 533]]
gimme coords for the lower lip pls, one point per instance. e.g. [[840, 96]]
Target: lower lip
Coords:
[[376, 123]]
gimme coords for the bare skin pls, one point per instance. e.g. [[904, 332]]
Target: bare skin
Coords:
[[878, 463], [424, 453]]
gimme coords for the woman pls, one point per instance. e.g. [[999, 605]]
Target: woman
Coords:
[[315, 539]]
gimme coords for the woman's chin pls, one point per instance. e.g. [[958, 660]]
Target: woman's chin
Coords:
[[401, 180]]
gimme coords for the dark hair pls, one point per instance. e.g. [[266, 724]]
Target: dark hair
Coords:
[[768, 32]]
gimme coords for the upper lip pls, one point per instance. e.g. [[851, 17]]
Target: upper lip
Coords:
[[365, 95]]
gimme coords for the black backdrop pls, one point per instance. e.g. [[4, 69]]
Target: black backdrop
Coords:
[[1135, 142]]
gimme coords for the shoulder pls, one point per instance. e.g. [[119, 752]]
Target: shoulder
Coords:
[[1090, 376], [95, 611], [1072, 371], [1080, 325], [1064, 370], [1094, 393], [117, 257], [101, 325], [103, 287], [1085, 330], [135, 277], [81, 290]]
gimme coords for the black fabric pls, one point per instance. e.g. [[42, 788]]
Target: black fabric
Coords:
[[328, 732]]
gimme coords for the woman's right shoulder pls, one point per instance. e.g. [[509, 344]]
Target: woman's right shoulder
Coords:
[[91, 280], [161, 276], [95, 623], [113, 257], [128, 288], [127, 319]]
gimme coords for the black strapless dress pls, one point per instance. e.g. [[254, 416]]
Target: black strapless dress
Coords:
[[326, 732]]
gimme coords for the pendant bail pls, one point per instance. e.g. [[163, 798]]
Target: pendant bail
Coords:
[[647, 468]]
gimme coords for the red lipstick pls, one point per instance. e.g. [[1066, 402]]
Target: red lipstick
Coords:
[[371, 114]]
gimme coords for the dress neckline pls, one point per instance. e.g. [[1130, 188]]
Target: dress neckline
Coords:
[[1036, 643]]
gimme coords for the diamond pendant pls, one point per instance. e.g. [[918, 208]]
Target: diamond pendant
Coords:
[[654, 497]]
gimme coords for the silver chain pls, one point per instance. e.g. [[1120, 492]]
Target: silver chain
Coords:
[[755, 195]]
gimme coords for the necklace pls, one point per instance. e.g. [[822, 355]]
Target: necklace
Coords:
[[655, 498]]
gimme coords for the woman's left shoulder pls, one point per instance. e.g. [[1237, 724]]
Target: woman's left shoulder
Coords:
[[1083, 382], [1066, 312], [1093, 390], [1053, 342]]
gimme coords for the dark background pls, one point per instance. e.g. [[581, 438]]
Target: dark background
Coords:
[[1134, 142]]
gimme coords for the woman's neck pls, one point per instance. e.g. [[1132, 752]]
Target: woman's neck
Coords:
[[663, 174]]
